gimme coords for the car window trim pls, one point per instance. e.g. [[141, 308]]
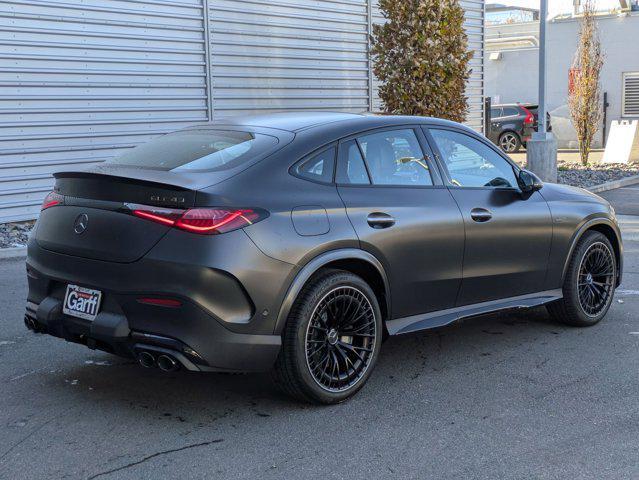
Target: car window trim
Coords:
[[427, 152], [438, 157], [340, 146]]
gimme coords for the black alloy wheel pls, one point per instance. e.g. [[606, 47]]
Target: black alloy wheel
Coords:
[[596, 278], [589, 282], [340, 339], [331, 340]]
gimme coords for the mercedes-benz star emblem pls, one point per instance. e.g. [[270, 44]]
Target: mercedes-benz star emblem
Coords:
[[81, 223]]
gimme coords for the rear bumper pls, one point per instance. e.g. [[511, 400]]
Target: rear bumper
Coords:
[[224, 322], [112, 333]]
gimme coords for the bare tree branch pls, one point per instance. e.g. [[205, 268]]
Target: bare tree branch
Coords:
[[584, 99]]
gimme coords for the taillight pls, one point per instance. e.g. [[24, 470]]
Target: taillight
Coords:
[[163, 216], [51, 200], [205, 221], [530, 118], [214, 220]]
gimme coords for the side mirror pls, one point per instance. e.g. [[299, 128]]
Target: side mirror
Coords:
[[529, 182]]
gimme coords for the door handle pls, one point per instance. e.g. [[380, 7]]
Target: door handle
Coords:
[[380, 220], [480, 215]]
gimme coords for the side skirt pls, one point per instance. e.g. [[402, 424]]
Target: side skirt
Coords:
[[442, 318]]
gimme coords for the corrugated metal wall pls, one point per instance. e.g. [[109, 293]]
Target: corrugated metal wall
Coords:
[[475, 90], [288, 55], [82, 80]]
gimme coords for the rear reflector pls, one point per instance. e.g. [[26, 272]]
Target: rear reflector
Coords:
[[51, 200], [161, 302], [204, 221]]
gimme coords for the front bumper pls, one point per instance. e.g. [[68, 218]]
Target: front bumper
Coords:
[[218, 325]]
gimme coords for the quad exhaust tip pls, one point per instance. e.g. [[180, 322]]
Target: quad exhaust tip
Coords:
[[167, 364], [146, 360], [31, 323]]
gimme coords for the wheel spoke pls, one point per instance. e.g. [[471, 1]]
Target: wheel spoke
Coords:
[[334, 364], [595, 282]]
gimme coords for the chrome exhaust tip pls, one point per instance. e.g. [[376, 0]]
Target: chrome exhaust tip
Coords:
[[167, 364], [146, 360], [30, 323]]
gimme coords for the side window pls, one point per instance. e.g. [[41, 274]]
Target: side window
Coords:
[[470, 163], [511, 111], [350, 165], [319, 167], [495, 112], [394, 157]]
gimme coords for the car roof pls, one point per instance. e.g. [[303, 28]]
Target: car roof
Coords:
[[527, 105], [309, 120], [290, 121]]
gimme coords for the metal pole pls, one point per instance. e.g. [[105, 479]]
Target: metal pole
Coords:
[[488, 103], [543, 14], [605, 119], [541, 149]]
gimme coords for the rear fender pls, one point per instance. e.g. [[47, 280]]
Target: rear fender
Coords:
[[316, 264]]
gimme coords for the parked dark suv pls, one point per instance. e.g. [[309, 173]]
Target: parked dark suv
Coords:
[[512, 125], [298, 242]]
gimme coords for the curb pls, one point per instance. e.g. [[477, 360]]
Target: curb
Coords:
[[624, 182], [14, 252]]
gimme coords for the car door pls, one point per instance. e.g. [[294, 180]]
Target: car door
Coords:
[[508, 234], [495, 124], [404, 215]]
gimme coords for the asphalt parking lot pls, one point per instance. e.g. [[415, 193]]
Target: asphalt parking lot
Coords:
[[512, 396]]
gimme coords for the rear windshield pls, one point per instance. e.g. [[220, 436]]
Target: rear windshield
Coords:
[[198, 150]]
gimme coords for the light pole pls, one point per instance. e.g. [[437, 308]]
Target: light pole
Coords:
[[541, 150]]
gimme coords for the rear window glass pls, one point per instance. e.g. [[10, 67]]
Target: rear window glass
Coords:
[[197, 150]]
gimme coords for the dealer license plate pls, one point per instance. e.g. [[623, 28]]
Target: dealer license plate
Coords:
[[82, 302]]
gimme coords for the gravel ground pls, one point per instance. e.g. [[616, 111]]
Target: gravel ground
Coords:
[[580, 176], [14, 234]]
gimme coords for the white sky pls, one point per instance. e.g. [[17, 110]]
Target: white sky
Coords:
[[555, 7]]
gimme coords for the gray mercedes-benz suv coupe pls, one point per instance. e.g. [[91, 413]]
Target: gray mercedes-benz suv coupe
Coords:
[[297, 242]]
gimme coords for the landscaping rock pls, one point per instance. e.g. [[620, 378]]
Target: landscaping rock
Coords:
[[15, 234], [596, 174]]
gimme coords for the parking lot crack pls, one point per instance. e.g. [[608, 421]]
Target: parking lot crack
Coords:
[[152, 456]]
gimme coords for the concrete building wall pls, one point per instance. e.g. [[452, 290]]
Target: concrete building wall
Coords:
[[514, 77]]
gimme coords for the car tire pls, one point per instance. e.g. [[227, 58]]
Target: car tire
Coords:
[[328, 356], [590, 282], [509, 142]]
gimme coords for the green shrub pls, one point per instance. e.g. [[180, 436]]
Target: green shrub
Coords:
[[421, 57]]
